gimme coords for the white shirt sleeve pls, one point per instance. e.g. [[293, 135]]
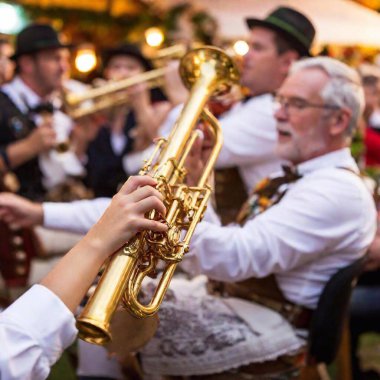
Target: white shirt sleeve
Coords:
[[118, 142], [78, 216], [308, 232], [34, 331], [249, 133], [133, 162]]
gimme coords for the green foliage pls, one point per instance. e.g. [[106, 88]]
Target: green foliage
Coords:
[[357, 146]]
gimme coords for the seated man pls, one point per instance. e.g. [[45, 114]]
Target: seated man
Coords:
[[303, 239]]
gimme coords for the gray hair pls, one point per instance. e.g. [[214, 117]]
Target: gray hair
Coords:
[[344, 88]]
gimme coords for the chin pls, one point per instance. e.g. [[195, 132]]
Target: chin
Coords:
[[285, 153]]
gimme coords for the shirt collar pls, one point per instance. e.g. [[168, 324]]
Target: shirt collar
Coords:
[[341, 158], [22, 95]]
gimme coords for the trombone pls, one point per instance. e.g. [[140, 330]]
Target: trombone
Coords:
[[109, 95]]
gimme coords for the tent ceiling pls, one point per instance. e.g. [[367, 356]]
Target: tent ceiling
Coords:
[[337, 21]]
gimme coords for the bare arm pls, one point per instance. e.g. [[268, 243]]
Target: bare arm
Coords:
[[73, 275]]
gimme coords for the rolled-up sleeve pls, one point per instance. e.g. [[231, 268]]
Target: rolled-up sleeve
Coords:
[[34, 331], [309, 222]]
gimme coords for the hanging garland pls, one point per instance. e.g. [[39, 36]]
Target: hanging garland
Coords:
[[102, 28]]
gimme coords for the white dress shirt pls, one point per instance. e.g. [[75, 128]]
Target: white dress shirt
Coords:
[[77, 216], [249, 134], [304, 239], [133, 161], [325, 221], [55, 166], [250, 138], [34, 331]]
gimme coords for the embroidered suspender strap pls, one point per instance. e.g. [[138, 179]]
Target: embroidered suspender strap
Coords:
[[266, 291], [267, 193]]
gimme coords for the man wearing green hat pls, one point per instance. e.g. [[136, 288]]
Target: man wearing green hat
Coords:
[[276, 41]]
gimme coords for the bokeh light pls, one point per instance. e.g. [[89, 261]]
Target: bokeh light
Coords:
[[241, 47], [85, 60], [154, 37]]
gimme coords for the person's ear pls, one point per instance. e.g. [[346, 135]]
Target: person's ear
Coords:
[[340, 121], [286, 60]]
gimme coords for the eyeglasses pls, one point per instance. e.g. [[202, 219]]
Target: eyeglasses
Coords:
[[293, 104]]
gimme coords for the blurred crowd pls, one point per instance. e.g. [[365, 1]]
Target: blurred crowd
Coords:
[[60, 143]]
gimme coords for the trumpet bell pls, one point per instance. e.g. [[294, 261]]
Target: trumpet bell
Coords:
[[195, 62]]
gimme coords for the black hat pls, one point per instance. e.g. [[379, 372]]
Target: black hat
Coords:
[[126, 49], [36, 37], [291, 24]]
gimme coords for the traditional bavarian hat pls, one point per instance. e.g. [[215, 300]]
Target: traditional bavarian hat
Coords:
[[37, 37], [291, 24]]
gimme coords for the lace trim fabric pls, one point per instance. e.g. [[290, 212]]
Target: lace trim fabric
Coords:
[[201, 334]]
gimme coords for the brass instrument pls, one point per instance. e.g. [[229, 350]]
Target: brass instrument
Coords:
[[161, 56], [176, 51], [206, 71], [109, 95]]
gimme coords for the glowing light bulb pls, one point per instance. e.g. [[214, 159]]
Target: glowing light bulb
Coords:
[[11, 19], [85, 60], [154, 37], [241, 47]]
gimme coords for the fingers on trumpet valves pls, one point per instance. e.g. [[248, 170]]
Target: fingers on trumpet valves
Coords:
[[153, 225], [150, 203], [134, 182], [141, 191]]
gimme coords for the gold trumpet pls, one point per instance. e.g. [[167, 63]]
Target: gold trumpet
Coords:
[[109, 95], [206, 71]]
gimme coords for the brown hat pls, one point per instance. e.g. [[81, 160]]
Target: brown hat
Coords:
[[291, 24], [36, 37]]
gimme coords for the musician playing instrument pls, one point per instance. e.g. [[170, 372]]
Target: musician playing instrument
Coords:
[[207, 71], [249, 129], [303, 239], [40, 325], [32, 126], [131, 127]]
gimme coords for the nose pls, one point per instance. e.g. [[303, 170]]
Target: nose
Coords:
[[280, 111]]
